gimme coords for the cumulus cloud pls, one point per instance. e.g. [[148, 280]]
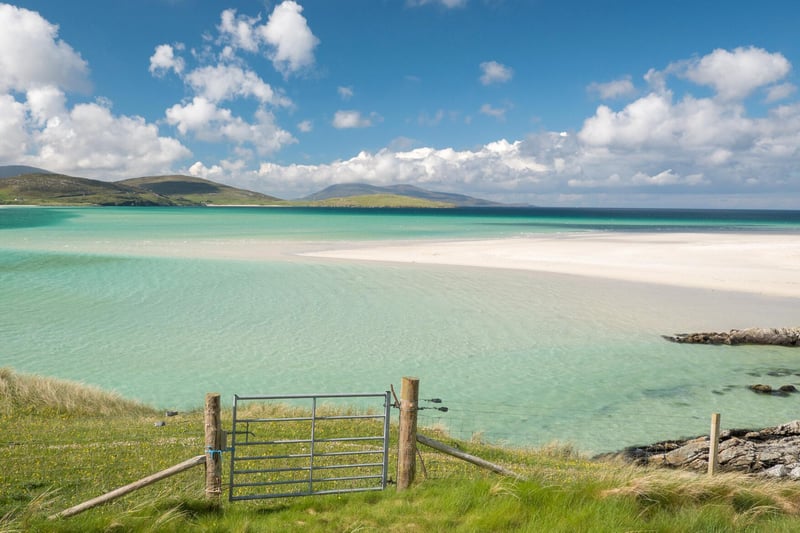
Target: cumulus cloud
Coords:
[[89, 140], [657, 150], [736, 74], [31, 54], [239, 31], [13, 132], [286, 38], [780, 92], [221, 76], [305, 126], [39, 125], [501, 164], [163, 60], [211, 123], [347, 119], [661, 179], [290, 37], [224, 82], [494, 72], [613, 89]]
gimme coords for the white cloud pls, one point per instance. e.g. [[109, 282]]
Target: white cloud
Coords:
[[305, 126], [347, 119], [780, 92], [46, 103], [497, 165], [206, 121], [286, 35], [197, 116], [45, 129], [163, 60], [345, 93], [613, 89], [494, 72], [639, 179], [654, 151], [13, 133], [497, 112], [450, 4], [291, 39], [225, 82], [735, 75], [32, 55], [89, 140], [239, 31]]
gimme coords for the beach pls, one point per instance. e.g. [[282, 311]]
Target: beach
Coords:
[[532, 328], [766, 264]]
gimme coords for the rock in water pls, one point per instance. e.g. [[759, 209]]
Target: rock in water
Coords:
[[762, 336]]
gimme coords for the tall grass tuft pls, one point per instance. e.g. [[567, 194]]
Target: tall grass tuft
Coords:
[[746, 496], [23, 394]]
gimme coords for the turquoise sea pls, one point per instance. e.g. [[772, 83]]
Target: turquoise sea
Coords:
[[146, 302]]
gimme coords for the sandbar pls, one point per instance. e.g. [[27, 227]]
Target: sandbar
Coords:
[[756, 263]]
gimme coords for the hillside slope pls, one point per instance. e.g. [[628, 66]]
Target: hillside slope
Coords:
[[199, 191], [58, 189]]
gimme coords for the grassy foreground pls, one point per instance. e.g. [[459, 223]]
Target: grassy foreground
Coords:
[[63, 443]]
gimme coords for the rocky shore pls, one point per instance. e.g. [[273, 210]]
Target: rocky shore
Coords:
[[763, 336], [774, 452]]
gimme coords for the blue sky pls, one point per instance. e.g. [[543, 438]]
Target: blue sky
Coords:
[[573, 103]]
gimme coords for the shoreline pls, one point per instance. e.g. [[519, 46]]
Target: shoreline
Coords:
[[757, 263]]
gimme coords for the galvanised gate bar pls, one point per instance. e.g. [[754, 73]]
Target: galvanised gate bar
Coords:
[[300, 445]]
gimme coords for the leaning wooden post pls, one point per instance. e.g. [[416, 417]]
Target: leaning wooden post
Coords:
[[713, 445], [213, 447], [407, 440]]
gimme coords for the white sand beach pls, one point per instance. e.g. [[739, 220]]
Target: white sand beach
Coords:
[[758, 263]]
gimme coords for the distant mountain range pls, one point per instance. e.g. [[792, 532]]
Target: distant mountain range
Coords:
[[21, 184], [344, 190]]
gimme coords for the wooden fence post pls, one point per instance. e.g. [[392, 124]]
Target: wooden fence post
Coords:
[[407, 440], [713, 445], [213, 426]]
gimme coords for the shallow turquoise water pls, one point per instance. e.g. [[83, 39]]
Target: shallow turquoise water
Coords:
[[523, 357]]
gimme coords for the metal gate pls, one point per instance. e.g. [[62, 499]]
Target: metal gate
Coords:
[[299, 445]]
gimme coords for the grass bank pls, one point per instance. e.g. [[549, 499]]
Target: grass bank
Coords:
[[63, 443]]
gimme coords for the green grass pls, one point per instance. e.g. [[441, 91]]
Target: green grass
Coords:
[[63, 443], [56, 189]]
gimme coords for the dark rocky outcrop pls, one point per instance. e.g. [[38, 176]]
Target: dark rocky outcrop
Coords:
[[772, 451], [764, 336]]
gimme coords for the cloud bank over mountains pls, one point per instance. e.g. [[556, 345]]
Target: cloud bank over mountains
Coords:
[[718, 130]]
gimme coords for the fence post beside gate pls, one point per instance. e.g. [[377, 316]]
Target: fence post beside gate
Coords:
[[213, 442], [407, 440]]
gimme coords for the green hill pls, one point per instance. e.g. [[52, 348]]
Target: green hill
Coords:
[[188, 189], [41, 187], [58, 189]]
